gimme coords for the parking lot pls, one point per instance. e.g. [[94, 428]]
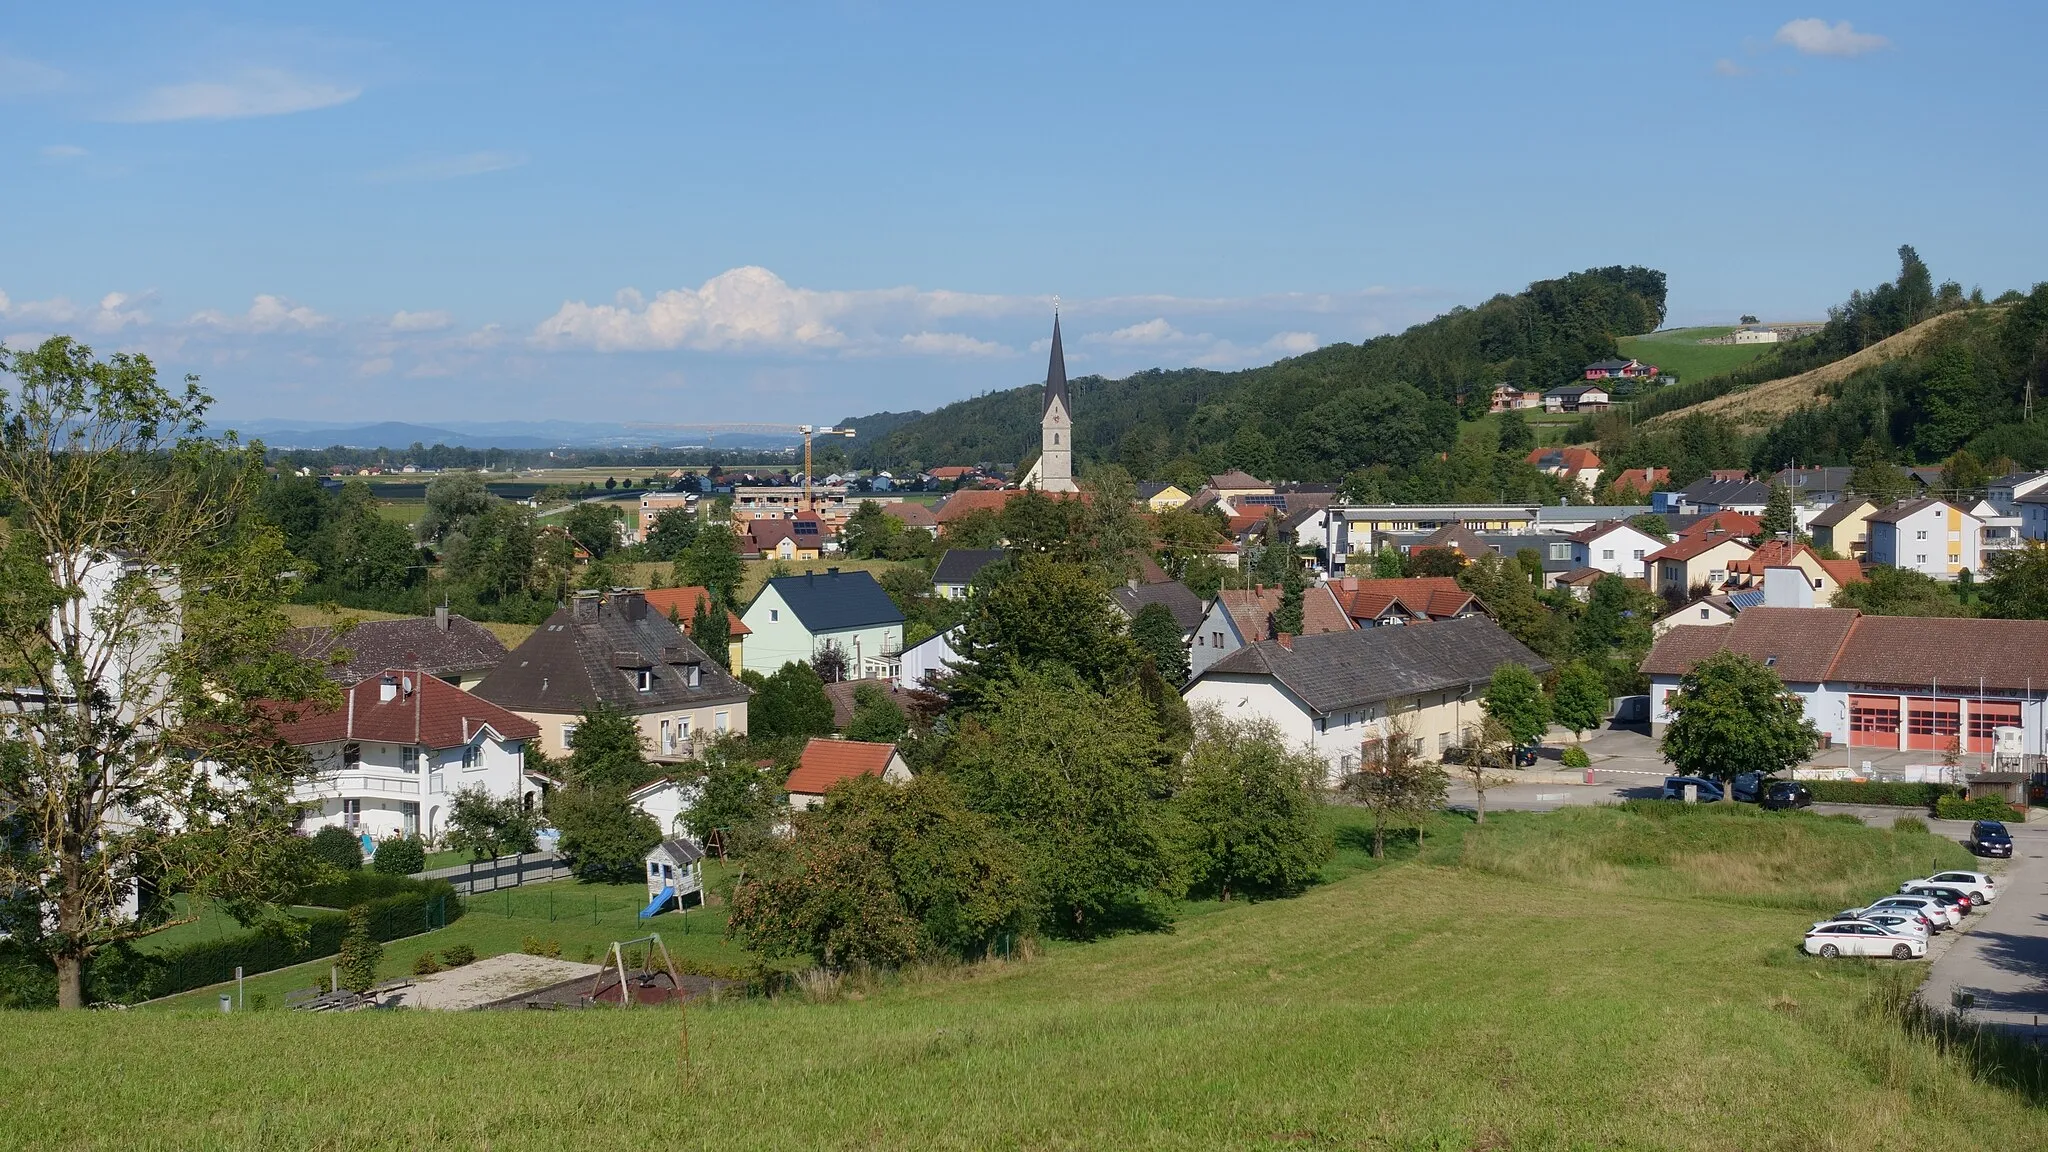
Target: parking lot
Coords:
[[1999, 958]]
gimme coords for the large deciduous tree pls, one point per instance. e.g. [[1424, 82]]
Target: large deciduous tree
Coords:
[[1246, 811], [1732, 715], [140, 624], [1515, 698], [1581, 702]]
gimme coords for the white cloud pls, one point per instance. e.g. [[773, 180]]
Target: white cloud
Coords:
[[20, 76], [266, 314], [61, 152], [1293, 343], [257, 92], [448, 167], [952, 344], [1154, 331], [1815, 37], [403, 321], [1727, 67], [743, 308], [374, 367]]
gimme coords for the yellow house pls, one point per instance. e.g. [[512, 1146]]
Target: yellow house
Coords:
[[1844, 527], [1692, 561], [1158, 497]]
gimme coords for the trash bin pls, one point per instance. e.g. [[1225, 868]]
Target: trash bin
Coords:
[[227, 1002]]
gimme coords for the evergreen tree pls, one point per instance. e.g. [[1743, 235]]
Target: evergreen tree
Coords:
[[1159, 637], [711, 629], [1779, 521], [1293, 586], [356, 964]]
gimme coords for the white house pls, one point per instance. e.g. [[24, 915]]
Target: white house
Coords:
[[1614, 546], [1241, 616], [827, 762], [391, 758], [1881, 682], [1338, 692], [796, 617], [928, 658], [666, 800], [1932, 537]]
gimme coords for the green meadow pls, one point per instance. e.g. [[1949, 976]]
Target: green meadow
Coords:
[[1611, 978]]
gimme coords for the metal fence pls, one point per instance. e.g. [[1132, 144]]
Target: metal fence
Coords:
[[503, 872]]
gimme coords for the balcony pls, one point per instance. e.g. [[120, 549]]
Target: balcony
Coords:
[[358, 784]]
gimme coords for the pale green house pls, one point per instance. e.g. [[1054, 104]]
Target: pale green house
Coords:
[[796, 617]]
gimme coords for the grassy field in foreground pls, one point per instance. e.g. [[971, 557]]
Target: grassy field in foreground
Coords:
[[1680, 353], [1427, 1004]]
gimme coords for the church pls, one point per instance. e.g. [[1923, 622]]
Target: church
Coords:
[[1054, 471]]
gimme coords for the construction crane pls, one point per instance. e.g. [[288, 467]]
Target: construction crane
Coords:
[[810, 430]]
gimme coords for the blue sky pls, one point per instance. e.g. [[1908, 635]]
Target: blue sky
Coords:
[[689, 213]]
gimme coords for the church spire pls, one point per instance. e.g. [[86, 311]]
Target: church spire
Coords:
[[1056, 371]]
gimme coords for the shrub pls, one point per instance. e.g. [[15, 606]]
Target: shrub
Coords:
[[1909, 824], [1576, 757], [339, 847], [535, 946], [458, 955], [401, 857], [425, 965], [360, 953], [1982, 808], [1878, 792]]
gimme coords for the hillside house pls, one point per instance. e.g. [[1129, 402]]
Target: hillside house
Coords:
[[389, 760], [614, 648], [680, 606], [1508, 398], [652, 505], [1641, 481], [2004, 493], [798, 538], [796, 617], [1814, 485], [1881, 682], [1577, 398], [928, 659], [448, 647], [1843, 527], [1700, 524], [1932, 537], [1337, 692], [1620, 370], [1577, 465], [828, 762], [1823, 577], [1241, 616]]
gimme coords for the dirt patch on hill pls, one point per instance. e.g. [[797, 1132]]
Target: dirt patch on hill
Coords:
[[1758, 408]]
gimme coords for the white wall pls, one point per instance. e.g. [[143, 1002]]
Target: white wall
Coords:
[[1204, 648], [928, 658], [779, 638], [392, 781]]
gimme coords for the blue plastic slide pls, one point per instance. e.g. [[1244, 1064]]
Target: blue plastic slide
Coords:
[[655, 905]]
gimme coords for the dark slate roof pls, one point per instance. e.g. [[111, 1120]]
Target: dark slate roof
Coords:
[[832, 601], [1839, 511], [1608, 365], [1337, 671], [958, 565], [1151, 488], [419, 642], [1184, 604], [1056, 374], [588, 653], [1708, 490], [1827, 479], [683, 850], [1893, 513]]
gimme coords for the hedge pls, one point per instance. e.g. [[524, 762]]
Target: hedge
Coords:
[[1982, 808], [399, 907], [1880, 793]]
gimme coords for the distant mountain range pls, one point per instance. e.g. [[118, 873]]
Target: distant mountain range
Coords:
[[480, 435]]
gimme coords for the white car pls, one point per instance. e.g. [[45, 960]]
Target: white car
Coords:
[[1833, 938], [1939, 914], [1980, 886]]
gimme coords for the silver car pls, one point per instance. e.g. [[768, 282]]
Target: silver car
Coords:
[[1938, 915]]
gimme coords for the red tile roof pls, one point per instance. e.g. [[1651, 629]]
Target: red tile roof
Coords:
[[1253, 610], [952, 471], [1844, 571], [1687, 547], [827, 762], [682, 603], [1725, 523], [1572, 459], [1643, 480], [1812, 645], [973, 500], [433, 713], [1436, 597]]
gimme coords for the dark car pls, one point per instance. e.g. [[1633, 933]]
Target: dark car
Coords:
[[1786, 794], [1708, 792], [1989, 838], [1525, 755]]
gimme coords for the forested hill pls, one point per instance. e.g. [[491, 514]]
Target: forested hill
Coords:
[[1389, 400]]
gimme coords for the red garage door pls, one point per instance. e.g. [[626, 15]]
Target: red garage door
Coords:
[[1873, 721], [1986, 717], [1931, 724]]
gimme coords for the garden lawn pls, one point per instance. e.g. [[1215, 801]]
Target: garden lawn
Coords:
[[1616, 1000], [1680, 353], [575, 916]]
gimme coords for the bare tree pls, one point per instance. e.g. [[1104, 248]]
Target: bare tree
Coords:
[[1395, 783], [139, 630]]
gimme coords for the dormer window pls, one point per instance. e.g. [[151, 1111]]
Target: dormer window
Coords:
[[643, 679], [693, 674]]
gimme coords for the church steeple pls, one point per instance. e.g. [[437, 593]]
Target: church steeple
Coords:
[[1054, 471], [1056, 372]]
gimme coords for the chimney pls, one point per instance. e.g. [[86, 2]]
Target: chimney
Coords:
[[387, 689], [441, 618], [583, 609], [1286, 640], [1350, 584]]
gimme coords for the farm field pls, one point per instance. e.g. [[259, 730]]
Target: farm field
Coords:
[[322, 615], [1678, 351], [1603, 978]]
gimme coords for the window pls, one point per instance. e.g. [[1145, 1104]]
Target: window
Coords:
[[351, 813], [774, 614], [351, 755], [1920, 559], [1443, 743], [721, 721], [668, 740], [1703, 613], [1560, 551], [1055, 437], [693, 675], [1955, 557], [683, 728], [1639, 553], [1920, 535], [1607, 553], [1217, 639], [643, 679], [472, 757], [569, 736]]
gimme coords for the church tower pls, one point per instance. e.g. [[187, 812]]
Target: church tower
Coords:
[[1055, 468]]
